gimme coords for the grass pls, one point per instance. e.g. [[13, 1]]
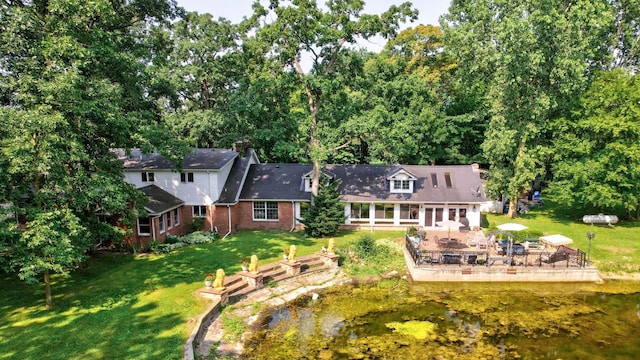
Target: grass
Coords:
[[122, 306], [615, 250]]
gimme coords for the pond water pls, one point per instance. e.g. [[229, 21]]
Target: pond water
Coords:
[[399, 320]]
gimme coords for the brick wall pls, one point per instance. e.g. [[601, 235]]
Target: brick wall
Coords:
[[242, 218], [144, 241]]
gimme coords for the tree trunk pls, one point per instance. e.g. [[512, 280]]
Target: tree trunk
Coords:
[[513, 206], [314, 105], [47, 290]]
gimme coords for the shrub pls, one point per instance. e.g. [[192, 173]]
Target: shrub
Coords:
[[175, 242], [365, 248], [171, 239], [412, 231], [196, 225]]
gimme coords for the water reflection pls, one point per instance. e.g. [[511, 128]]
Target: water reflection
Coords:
[[541, 321]]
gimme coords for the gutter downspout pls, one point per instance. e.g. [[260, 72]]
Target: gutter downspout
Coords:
[[153, 228], [293, 217], [211, 217], [229, 217]]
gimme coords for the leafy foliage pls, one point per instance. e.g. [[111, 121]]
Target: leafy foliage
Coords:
[[534, 58], [596, 160], [325, 214], [74, 86], [176, 242]]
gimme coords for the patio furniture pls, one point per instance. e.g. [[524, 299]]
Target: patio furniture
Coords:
[[451, 259], [534, 243]]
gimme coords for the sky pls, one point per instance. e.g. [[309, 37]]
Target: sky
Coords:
[[235, 10]]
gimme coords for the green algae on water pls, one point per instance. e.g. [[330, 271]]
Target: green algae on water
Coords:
[[418, 329]]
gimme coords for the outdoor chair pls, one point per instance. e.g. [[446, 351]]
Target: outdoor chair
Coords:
[[554, 257]]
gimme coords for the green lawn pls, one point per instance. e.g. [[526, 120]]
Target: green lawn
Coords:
[[143, 307], [131, 307], [615, 249]]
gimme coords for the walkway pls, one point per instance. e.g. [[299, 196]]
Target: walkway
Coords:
[[314, 275]]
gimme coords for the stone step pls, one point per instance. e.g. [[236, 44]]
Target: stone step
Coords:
[[237, 287]]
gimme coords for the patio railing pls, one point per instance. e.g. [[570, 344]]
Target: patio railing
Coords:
[[563, 256]]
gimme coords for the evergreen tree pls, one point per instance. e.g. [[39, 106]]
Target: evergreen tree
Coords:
[[326, 213]]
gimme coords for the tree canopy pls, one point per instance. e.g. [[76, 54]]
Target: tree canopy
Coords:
[[74, 85], [532, 90], [535, 59]]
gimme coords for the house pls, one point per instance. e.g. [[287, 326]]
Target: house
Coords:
[[273, 196], [230, 190], [178, 198]]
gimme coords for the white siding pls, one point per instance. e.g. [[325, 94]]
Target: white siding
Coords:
[[204, 190]]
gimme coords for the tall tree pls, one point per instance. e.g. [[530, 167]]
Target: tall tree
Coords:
[[303, 29], [535, 58], [325, 214], [596, 161], [203, 66], [625, 35], [75, 84], [411, 111]]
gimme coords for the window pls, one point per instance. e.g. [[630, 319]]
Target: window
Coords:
[[169, 220], [409, 212], [161, 223], [434, 180], [176, 217], [144, 227], [186, 177], [447, 180], [200, 211], [265, 210], [148, 177], [401, 184], [384, 211], [359, 211]]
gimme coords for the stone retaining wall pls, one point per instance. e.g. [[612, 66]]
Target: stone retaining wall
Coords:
[[467, 273]]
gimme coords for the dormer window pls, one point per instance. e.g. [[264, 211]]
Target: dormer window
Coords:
[[401, 182], [306, 179]]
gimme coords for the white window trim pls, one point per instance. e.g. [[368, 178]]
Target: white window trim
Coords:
[[253, 211], [176, 217], [145, 175], [188, 177], [148, 223], [161, 224], [169, 219], [401, 190], [199, 207]]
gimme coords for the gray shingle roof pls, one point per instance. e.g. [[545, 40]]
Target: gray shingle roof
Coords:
[[275, 182], [159, 201], [199, 159], [366, 183], [231, 190]]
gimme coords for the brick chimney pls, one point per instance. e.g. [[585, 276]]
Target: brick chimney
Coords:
[[242, 145]]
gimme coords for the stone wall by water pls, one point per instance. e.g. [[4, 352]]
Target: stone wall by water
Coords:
[[479, 273]]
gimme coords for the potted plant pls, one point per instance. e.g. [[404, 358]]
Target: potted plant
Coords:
[[285, 255], [208, 280], [245, 265]]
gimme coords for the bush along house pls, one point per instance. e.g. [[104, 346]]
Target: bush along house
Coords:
[[230, 190]]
